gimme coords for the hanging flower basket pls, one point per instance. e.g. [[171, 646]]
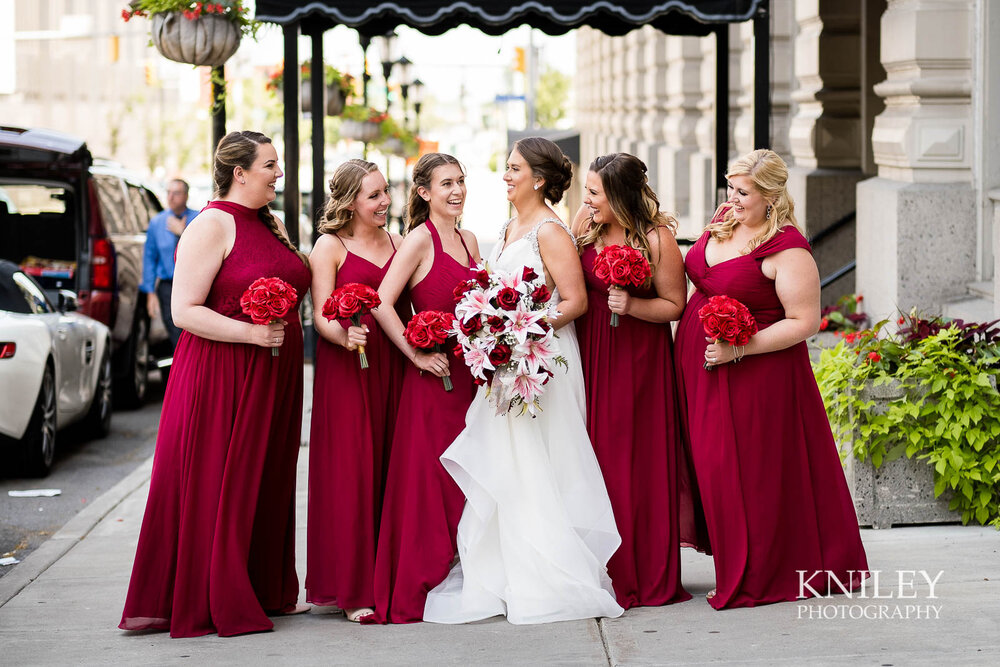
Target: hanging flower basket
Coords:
[[335, 100], [339, 86], [206, 40], [360, 130]]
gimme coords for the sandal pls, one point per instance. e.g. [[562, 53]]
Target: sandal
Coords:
[[355, 615], [297, 609], [711, 594]]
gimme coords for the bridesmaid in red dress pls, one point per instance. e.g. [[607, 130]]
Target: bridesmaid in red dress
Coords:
[[354, 409], [629, 376], [217, 548], [775, 498], [416, 542]]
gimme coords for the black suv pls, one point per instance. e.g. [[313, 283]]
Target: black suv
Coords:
[[79, 224]]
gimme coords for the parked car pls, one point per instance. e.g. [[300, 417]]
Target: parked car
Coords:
[[78, 224], [55, 370]]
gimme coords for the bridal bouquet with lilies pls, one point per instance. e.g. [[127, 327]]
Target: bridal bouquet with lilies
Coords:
[[504, 331]]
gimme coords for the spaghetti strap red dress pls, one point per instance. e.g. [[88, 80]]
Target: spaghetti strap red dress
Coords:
[[353, 417]]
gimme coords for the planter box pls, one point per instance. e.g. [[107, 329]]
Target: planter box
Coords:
[[899, 492], [207, 40]]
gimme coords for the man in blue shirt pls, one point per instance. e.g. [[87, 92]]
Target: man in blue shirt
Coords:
[[158, 260]]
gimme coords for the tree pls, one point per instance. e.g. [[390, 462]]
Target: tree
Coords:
[[551, 97]]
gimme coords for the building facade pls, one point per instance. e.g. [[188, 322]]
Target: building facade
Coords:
[[887, 112]]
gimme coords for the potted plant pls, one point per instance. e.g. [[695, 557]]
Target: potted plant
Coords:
[[340, 86], [837, 319], [199, 33], [394, 138], [917, 416], [361, 123]]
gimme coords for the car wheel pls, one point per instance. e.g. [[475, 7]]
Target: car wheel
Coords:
[[97, 423], [38, 446], [131, 389]]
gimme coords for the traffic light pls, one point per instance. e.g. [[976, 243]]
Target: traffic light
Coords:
[[519, 65]]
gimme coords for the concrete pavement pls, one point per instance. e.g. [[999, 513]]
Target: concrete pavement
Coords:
[[62, 604]]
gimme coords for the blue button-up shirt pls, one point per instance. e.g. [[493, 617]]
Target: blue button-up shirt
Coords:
[[158, 258]]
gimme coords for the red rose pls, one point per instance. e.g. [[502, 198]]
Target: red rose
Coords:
[[601, 271], [545, 326], [725, 307], [259, 313], [417, 336], [541, 294], [729, 330], [458, 351], [471, 326], [330, 308], [620, 273], [500, 354], [462, 288], [496, 323], [711, 323], [507, 298], [528, 274], [640, 272], [483, 278]]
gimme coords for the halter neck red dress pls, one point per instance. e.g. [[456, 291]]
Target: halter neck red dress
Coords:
[[353, 417], [216, 551], [632, 420], [416, 543], [771, 482]]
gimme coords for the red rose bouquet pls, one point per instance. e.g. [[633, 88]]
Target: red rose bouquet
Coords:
[[428, 330], [621, 266], [268, 300], [726, 319], [505, 335], [351, 302]]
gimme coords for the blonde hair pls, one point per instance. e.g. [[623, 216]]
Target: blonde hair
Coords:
[[633, 203], [418, 210], [239, 149], [769, 174], [344, 188]]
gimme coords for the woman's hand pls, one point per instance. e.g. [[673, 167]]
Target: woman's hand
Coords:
[[432, 362], [619, 300], [718, 353], [268, 335], [356, 337]]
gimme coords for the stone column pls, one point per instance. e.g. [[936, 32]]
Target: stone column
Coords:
[[825, 133], [684, 90], [782, 25], [916, 220]]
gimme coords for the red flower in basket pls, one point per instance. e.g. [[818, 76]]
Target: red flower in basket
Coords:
[[726, 319], [621, 266], [428, 330], [268, 300], [351, 302]]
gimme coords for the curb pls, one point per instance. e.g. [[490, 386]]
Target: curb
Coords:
[[77, 528]]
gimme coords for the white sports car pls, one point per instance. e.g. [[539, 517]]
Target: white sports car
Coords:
[[55, 370]]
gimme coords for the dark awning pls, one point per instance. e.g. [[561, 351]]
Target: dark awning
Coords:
[[495, 17]]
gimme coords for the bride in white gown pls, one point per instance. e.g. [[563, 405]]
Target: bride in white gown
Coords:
[[537, 529]]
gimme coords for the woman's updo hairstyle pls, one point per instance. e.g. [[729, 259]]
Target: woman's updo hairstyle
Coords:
[[547, 161]]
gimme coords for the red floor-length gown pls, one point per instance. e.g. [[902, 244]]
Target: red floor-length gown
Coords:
[[628, 372], [353, 416], [216, 551], [771, 482], [416, 543]]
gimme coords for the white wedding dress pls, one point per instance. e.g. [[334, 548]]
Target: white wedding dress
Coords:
[[537, 529]]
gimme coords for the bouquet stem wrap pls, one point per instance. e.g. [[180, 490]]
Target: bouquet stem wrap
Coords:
[[351, 302]]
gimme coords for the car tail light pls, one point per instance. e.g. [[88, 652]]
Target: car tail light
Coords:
[[7, 350], [102, 265]]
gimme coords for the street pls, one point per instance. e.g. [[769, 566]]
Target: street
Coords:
[[82, 471]]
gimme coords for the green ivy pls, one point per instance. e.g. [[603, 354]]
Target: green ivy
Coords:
[[948, 414]]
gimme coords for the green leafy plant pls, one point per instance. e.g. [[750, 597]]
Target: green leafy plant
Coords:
[[947, 409], [232, 10], [844, 315], [391, 129], [360, 112], [332, 76]]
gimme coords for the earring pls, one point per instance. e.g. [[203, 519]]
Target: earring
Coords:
[[767, 214], [537, 185]]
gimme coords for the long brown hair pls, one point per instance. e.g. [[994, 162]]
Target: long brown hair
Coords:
[[769, 174], [418, 210], [632, 201], [239, 149], [344, 188], [547, 161]]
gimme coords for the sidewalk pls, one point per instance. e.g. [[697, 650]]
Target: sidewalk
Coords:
[[63, 603]]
